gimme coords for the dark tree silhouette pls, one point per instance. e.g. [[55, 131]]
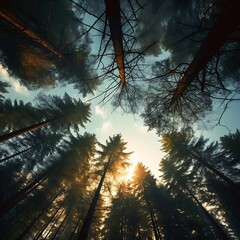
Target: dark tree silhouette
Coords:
[[68, 113], [181, 146], [115, 159], [220, 33], [41, 45]]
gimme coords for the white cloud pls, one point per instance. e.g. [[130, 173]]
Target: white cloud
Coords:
[[14, 83], [3, 73], [100, 112], [106, 127], [18, 88]]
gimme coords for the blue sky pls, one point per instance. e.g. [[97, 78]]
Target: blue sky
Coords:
[[105, 123]]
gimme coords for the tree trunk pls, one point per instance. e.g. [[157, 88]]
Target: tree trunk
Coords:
[[114, 20], [31, 128], [15, 154], [83, 235], [61, 235], [10, 18], [226, 24], [150, 210], [39, 215], [60, 226], [48, 222], [158, 231], [19, 196], [76, 228], [218, 173], [214, 222]]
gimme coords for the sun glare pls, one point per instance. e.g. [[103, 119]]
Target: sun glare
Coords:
[[129, 171]]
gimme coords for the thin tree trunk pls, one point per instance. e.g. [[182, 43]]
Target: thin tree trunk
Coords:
[[158, 231], [19, 196], [60, 226], [83, 235], [53, 225], [114, 19], [15, 154], [214, 222], [226, 24], [151, 216], [48, 222], [217, 172], [61, 235], [39, 215], [10, 18], [31, 128], [76, 228]]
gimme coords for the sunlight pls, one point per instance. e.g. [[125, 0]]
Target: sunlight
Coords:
[[130, 170]]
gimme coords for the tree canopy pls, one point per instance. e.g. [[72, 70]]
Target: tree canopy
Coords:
[[173, 63]]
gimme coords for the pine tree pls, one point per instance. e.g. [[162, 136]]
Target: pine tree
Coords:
[[114, 157]]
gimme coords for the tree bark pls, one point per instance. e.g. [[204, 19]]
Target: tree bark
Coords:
[[114, 20], [226, 24], [10, 18], [31, 128], [83, 235]]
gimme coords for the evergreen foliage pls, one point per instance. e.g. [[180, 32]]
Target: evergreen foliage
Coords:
[[58, 182]]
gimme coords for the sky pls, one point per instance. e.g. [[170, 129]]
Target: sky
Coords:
[[144, 144], [105, 122]]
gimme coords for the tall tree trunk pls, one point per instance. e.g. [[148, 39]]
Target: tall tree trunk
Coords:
[[214, 222], [83, 235], [39, 234], [76, 228], [60, 226], [15, 154], [226, 24], [218, 173], [11, 19], [150, 210], [31, 128], [19, 196], [53, 225], [158, 231], [114, 19], [61, 235], [38, 216]]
